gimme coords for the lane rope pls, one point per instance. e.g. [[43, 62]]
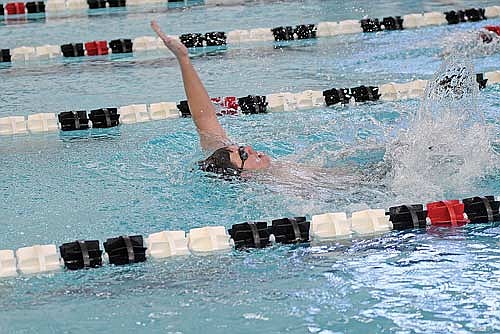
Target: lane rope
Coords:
[[219, 39], [322, 228], [229, 105], [38, 9]]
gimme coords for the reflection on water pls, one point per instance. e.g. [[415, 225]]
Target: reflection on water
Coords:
[[90, 134]]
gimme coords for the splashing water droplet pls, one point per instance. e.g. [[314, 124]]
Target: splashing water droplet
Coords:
[[447, 144], [471, 44]]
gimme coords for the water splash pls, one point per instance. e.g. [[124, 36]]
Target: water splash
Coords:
[[446, 147], [471, 44]]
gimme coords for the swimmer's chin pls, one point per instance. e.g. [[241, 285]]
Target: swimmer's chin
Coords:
[[266, 161]]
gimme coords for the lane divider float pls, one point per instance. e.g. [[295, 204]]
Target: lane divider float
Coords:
[[55, 7], [325, 227], [220, 39], [229, 105]]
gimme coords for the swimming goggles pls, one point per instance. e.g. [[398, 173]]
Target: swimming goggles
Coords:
[[243, 155]]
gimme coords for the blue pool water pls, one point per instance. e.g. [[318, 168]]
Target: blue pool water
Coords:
[[139, 179]]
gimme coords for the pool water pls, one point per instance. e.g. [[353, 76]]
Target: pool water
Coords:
[[139, 179]]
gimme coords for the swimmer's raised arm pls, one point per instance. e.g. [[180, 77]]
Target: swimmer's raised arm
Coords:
[[228, 158], [202, 109]]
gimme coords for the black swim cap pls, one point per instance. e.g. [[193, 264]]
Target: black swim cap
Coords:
[[220, 163]]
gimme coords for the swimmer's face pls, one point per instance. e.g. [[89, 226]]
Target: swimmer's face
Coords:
[[255, 160]]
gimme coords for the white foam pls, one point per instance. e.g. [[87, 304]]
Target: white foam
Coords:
[[447, 144]]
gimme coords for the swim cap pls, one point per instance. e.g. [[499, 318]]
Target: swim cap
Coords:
[[220, 163]]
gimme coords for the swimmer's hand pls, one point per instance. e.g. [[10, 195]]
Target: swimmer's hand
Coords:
[[174, 45]]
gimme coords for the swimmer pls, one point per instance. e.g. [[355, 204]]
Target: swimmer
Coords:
[[227, 158], [481, 42], [489, 33]]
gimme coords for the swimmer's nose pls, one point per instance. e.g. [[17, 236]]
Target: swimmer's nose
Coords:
[[250, 150]]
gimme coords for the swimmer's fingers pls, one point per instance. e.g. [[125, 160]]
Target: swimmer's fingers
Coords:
[[159, 32], [155, 26], [171, 43]]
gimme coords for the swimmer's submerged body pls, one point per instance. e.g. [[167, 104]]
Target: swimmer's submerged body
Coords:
[[227, 158]]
